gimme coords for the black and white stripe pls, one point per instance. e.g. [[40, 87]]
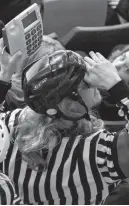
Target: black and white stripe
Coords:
[[107, 158], [80, 171], [7, 193]]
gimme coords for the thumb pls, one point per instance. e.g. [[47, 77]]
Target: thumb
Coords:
[[88, 66], [14, 61], [16, 57], [87, 78]]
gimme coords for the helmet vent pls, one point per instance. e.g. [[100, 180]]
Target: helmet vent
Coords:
[[51, 112]]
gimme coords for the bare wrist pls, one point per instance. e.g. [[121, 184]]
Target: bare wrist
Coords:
[[118, 79]]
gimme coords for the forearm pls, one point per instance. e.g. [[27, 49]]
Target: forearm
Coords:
[[119, 92], [116, 150], [107, 109], [5, 84]]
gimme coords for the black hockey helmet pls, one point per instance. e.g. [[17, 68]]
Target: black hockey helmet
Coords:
[[52, 78]]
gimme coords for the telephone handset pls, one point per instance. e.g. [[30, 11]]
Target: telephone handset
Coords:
[[24, 32]]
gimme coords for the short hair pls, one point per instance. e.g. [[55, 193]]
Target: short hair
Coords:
[[118, 51]]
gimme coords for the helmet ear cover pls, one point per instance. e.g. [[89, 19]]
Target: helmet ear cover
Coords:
[[61, 79]]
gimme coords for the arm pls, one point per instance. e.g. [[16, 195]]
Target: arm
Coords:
[[8, 65], [112, 149], [113, 3], [122, 140], [123, 9], [107, 108]]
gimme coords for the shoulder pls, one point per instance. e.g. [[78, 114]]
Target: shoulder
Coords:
[[89, 144]]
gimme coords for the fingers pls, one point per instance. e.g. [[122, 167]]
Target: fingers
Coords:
[[15, 57], [95, 57], [113, 6], [10, 64], [88, 67], [87, 79], [14, 62], [100, 56], [53, 35], [19, 67], [113, 3], [90, 61]]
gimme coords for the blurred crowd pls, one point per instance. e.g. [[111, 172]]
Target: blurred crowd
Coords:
[[117, 12]]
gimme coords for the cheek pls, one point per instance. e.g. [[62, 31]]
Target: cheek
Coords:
[[124, 75], [118, 63], [86, 95]]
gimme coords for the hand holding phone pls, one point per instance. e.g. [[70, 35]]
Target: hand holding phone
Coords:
[[9, 64]]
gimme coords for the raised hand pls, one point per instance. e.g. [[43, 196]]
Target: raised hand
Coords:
[[113, 3], [101, 73], [9, 64]]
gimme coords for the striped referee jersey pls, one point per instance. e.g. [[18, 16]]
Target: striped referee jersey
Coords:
[[7, 192], [80, 170]]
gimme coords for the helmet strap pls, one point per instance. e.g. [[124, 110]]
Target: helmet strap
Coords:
[[75, 97]]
